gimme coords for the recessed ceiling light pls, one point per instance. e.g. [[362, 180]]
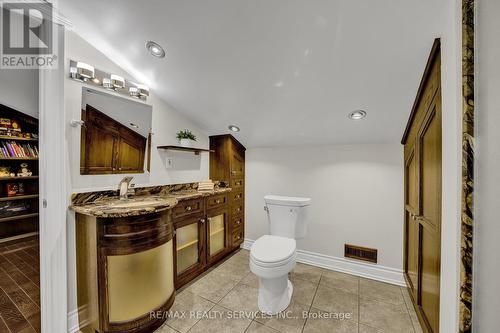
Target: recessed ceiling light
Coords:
[[357, 115], [155, 49], [233, 128]]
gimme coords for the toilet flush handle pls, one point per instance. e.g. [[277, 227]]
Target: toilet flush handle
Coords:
[[266, 209]]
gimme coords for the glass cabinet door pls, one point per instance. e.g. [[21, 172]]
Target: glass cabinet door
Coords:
[[217, 233], [188, 244]]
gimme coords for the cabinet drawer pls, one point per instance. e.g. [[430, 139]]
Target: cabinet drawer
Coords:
[[185, 208], [237, 184], [238, 236], [237, 221], [216, 201], [237, 209], [236, 197]]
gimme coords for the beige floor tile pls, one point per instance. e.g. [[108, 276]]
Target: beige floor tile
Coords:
[[303, 291], [241, 298], [306, 272], [184, 311], [368, 329], [385, 316], [220, 320], [380, 291], [251, 280], [339, 280], [323, 322], [256, 327], [290, 321], [165, 329], [335, 300], [214, 286]]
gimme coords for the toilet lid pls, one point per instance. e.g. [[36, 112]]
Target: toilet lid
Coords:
[[272, 249]]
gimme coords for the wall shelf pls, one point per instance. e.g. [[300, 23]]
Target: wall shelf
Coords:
[[19, 158], [18, 217], [196, 151], [18, 178], [16, 138], [19, 197]]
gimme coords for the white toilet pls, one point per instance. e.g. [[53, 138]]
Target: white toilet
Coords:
[[273, 256]]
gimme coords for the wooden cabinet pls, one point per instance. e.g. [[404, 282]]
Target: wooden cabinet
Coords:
[[202, 235], [109, 147], [227, 163], [422, 208], [124, 272]]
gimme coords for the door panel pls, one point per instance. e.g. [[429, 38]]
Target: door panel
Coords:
[[429, 139], [101, 146], [217, 234], [411, 227]]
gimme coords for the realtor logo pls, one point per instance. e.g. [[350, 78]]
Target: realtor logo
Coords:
[[27, 36]]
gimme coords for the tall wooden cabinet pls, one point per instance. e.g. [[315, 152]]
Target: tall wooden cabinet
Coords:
[[422, 208], [227, 163]]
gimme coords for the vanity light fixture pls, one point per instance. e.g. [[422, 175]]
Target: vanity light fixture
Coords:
[[357, 115], [134, 92], [233, 128], [106, 83], [143, 90], [82, 71], [117, 81], [155, 49]]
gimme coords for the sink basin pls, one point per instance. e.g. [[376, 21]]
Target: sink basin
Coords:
[[132, 204]]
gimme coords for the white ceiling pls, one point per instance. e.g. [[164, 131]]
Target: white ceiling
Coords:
[[286, 71]]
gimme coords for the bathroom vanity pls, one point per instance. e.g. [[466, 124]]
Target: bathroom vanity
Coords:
[[132, 254], [124, 264]]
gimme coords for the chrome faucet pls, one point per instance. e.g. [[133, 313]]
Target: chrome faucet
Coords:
[[125, 188]]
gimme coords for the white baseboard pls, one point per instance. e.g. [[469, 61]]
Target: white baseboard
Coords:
[[73, 325], [366, 270]]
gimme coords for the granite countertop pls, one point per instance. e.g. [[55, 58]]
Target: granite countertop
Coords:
[[139, 204]]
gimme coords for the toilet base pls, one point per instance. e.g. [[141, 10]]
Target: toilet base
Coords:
[[274, 294]]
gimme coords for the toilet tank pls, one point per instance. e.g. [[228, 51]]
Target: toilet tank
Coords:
[[287, 216]]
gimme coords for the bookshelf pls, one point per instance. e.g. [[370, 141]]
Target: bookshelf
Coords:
[[19, 207]]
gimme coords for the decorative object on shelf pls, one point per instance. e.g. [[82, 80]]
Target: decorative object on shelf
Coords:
[[206, 185], [5, 172], [12, 189], [24, 172], [11, 208], [186, 138], [82, 72]]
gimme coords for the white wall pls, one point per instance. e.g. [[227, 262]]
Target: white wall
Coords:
[[166, 122], [356, 191], [487, 228], [19, 87]]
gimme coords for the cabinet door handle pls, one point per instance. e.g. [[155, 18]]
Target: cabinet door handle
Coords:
[[202, 221], [217, 201], [238, 222], [188, 208], [233, 172]]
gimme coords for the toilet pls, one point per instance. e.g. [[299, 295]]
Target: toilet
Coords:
[[273, 256]]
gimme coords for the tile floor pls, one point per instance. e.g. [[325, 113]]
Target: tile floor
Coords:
[[320, 298], [20, 286]]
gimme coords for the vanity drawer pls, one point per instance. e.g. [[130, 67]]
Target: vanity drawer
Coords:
[[216, 201], [236, 197], [238, 236], [237, 184], [188, 207], [237, 221], [237, 209]]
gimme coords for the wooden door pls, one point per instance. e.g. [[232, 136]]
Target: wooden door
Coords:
[[190, 248], [429, 219], [99, 147], [237, 164], [217, 234], [131, 148], [411, 210]]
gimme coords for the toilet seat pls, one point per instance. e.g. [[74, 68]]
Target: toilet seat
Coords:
[[273, 251]]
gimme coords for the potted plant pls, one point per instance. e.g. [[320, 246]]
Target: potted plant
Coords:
[[186, 138]]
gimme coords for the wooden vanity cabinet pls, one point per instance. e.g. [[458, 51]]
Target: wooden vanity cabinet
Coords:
[[108, 147], [124, 272], [201, 236], [227, 163]]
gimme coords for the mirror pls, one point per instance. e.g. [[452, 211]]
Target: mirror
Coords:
[[115, 135]]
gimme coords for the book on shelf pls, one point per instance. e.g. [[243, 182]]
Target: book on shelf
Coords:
[[14, 149]]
